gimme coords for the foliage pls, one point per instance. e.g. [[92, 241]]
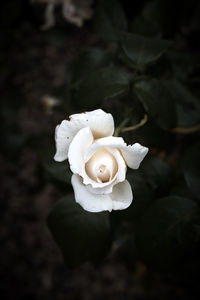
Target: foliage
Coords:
[[137, 65], [135, 70], [81, 235]]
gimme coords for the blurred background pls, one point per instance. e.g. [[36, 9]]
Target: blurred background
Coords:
[[140, 61]]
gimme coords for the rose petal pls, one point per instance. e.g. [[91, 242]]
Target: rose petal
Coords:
[[121, 173], [78, 149], [77, 153], [109, 142], [106, 188], [133, 155], [119, 199], [121, 196], [100, 122], [102, 190], [89, 201], [102, 166], [119, 177], [63, 137]]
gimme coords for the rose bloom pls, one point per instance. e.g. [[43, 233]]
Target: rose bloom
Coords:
[[74, 11], [98, 160]]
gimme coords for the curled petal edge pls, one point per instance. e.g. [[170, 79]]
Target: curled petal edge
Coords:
[[120, 198], [100, 123]]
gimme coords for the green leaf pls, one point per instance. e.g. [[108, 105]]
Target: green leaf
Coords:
[[153, 136], [191, 169], [88, 61], [153, 177], [187, 105], [81, 236], [157, 172], [142, 195], [101, 85], [157, 102], [138, 112], [125, 243], [109, 20], [142, 50], [183, 64], [163, 234], [145, 27], [196, 228], [181, 189]]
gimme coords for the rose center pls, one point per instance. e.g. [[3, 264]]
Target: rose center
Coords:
[[102, 166], [103, 174]]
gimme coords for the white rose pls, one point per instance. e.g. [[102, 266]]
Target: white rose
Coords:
[[98, 160]]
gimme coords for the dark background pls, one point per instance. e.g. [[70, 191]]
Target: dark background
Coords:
[[34, 64]]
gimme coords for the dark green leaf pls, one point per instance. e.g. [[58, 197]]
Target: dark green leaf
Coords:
[[191, 169], [182, 64], [145, 27], [187, 105], [142, 195], [101, 85], [125, 243], [137, 113], [181, 189], [89, 61], [157, 102], [157, 172], [82, 236], [196, 228], [162, 234], [152, 135], [154, 176], [109, 20], [142, 50]]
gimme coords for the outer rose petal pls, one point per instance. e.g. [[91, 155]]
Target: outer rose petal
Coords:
[[133, 155], [63, 137], [78, 149], [120, 198], [100, 122], [89, 201], [122, 195]]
